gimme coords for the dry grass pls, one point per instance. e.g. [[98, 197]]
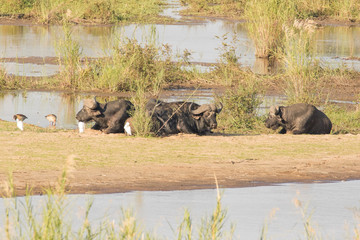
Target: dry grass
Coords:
[[48, 150], [116, 163]]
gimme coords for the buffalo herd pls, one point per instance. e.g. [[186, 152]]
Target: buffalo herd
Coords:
[[188, 117]]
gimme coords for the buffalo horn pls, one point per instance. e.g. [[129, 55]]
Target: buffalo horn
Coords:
[[91, 103], [218, 110], [201, 109], [274, 110]]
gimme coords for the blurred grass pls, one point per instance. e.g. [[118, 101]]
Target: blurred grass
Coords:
[[84, 11]]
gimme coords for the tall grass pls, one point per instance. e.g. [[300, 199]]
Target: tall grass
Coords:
[[335, 9], [242, 97], [24, 221], [338, 9], [302, 71], [84, 11], [311, 233], [69, 55], [266, 19]]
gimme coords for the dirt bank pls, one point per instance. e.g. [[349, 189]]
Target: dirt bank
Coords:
[[98, 163]]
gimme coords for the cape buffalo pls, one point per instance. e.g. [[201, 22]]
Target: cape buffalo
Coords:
[[109, 117], [298, 119], [183, 117]]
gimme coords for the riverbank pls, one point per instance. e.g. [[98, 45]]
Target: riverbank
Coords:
[[99, 163]]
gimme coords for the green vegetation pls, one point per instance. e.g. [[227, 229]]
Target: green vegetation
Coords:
[[343, 120], [83, 11], [132, 62], [23, 221], [334, 9], [72, 75], [266, 21], [223, 8], [145, 69], [303, 82], [240, 106]]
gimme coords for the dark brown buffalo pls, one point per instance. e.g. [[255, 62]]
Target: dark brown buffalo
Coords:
[[109, 117], [299, 118], [182, 117]]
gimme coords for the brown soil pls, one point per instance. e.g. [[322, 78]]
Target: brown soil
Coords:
[[176, 162]]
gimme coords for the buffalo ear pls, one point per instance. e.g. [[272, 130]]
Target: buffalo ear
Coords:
[[96, 113], [197, 117]]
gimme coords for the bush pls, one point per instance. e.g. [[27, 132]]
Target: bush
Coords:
[[240, 105], [343, 120]]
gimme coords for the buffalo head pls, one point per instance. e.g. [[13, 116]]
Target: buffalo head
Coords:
[[207, 114], [274, 119], [90, 110]]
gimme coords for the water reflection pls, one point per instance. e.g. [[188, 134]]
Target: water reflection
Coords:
[[333, 44], [331, 205], [36, 104], [338, 41]]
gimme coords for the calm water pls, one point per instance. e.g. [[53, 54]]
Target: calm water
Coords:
[[332, 206], [203, 40], [36, 104]]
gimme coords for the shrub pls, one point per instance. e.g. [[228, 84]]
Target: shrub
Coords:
[[240, 105], [343, 120]]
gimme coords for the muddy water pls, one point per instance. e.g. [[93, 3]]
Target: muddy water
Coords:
[[331, 206], [203, 39], [36, 104]]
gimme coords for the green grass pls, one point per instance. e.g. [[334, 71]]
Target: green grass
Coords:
[[23, 221], [344, 121], [84, 11], [348, 10]]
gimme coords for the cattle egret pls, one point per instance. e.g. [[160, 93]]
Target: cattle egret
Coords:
[[127, 129], [19, 120], [52, 119], [81, 127]]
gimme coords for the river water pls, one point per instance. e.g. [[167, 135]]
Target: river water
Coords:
[[202, 38], [333, 44], [331, 208]]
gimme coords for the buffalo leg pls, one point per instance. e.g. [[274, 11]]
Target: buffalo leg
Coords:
[[282, 131], [96, 127]]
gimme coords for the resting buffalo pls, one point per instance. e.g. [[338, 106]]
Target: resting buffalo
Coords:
[[109, 117], [298, 119], [182, 117]]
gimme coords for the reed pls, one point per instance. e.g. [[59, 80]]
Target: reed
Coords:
[[311, 233], [266, 19], [69, 56], [24, 221], [303, 82], [346, 9], [84, 11]]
